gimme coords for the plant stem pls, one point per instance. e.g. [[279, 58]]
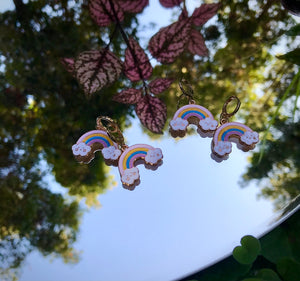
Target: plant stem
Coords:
[[123, 33]]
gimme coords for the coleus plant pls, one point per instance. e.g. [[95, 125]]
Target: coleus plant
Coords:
[[96, 69]]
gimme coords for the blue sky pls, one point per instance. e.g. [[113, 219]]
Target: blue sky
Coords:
[[187, 214]]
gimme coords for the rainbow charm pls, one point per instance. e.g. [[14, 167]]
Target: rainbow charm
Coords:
[[93, 141], [110, 141], [192, 114], [236, 132], [134, 155]]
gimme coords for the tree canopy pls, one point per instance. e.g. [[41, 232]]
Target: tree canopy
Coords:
[[45, 104]]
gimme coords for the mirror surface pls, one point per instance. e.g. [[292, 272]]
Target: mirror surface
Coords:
[[62, 220]]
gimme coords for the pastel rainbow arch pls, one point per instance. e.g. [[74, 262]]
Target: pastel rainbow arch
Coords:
[[192, 110], [224, 132], [131, 154], [233, 132], [96, 136]]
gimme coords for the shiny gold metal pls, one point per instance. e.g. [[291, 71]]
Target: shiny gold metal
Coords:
[[187, 92], [112, 129], [224, 117]]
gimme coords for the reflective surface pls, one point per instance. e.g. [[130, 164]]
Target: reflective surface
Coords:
[[64, 220]]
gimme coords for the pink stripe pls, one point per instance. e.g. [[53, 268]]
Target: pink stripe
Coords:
[[104, 144], [216, 135], [229, 134], [91, 133], [135, 157], [127, 151], [193, 114]]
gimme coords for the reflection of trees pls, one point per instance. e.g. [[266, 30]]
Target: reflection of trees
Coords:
[[245, 67], [280, 163], [43, 110]]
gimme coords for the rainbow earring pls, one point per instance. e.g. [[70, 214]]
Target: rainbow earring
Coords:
[[191, 114], [109, 139], [222, 135], [229, 132]]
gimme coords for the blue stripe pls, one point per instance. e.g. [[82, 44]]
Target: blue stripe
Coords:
[[194, 111], [137, 152], [230, 130], [101, 138]]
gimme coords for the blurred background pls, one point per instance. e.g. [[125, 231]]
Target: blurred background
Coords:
[[61, 220]]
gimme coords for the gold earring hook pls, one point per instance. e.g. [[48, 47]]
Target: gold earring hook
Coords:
[[188, 92], [224, 117], [112, 129]]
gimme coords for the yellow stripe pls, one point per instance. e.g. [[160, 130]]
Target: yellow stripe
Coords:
[[129, 153], [193, 108], [99, 135], [228, 128]]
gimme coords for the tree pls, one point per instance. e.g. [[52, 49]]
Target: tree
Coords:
[[44, 109]]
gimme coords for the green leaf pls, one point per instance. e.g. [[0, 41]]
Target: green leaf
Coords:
[[248, 251], [252, 279], [294, 31], [293, 56], [289, 269], [275, 245], [267, 274]]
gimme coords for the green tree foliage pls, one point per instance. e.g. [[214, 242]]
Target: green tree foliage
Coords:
[[43, 110]]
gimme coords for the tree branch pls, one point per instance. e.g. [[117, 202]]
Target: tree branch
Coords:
[[128, 45]]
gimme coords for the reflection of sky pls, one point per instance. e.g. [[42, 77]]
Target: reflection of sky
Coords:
[[183, 216]]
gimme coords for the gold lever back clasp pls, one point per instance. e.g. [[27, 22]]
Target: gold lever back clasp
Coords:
[[187, 92], [224, 117], [112, 129]]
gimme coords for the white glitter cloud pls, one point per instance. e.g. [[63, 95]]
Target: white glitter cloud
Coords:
[[222, 147], [208, 124], [179, 124], [250, 138], [111, 153], [153, 156], [81, 149], [130, 176]]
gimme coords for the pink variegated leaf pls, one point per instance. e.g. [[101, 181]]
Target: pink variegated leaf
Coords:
[[159, 85], [169, 42], [96, 69], [202, 14], [183, 15], [152, 112], [68, 63], [133, 6], [128, 96], [102, 12], [170, 3], [196, 44], [137, 65]]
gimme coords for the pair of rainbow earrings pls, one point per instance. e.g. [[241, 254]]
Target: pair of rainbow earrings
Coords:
[[109, 139]]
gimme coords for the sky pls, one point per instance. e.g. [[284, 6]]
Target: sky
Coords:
[[184, 216]]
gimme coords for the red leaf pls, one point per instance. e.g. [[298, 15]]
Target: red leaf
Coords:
[[152, 112], [102, 12], [95, 69], [137, 66], [159, 85], [183, 15], [68, 63], [128, 96], [169, 42], [202, 14], [196, 44], [133, 6], [170, 3]]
